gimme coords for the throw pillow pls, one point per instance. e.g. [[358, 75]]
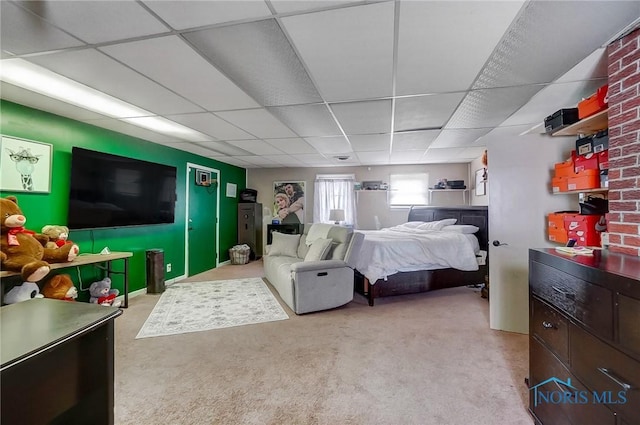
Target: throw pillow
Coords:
[[437, 225], [284, 244], [466, 229], [318, 250]]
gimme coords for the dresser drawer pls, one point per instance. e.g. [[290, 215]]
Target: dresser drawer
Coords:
[[629, 323], [570, 409], [604, 369], [588, 303], [551, 327]]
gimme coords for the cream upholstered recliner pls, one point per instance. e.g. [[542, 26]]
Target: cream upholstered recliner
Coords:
[[313, 271]]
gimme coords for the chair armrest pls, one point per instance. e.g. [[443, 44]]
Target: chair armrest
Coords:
[[309, 266]]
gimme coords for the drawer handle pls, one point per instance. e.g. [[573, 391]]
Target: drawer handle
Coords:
[[615, 378], [323, 273], [565, 293], [547, 325]]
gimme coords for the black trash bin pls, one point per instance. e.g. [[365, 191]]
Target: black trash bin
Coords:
[[155, 271]]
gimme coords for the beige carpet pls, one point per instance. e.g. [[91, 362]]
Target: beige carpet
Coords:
[[417, 359]]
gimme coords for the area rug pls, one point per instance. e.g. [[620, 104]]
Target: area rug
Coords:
[[202, 306]]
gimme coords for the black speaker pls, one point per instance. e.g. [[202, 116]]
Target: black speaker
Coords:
[[155, 271]]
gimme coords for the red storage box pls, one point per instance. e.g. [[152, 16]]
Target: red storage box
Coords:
[[595, 103], [564, 169], [603, 160], [586, 162], [559, 184], [587, 179], [585, 229], [558, 235], [556, 220]]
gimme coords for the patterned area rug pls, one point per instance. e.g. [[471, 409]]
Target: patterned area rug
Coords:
[[202, 306]]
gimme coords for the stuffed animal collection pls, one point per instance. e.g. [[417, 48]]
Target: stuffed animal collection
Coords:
[[57, 235], [24, 292], [60, 287], [101, 293], [22, 250]]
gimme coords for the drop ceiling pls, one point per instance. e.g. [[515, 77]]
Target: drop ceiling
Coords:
[[286, 83]]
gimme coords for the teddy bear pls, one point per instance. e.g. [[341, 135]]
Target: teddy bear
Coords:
[[22, 250], [57, 235], [24, 292], [60, 287], [101, 293]]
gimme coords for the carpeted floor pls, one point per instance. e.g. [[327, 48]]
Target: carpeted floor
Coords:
[[202, 306], [416, 359]]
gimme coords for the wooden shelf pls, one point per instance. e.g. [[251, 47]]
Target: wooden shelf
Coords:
[[589, 125], [577, 192]]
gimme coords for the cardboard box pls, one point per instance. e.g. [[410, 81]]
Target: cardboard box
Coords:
[[603, 160], [584, 145], [555, 220], [604, 178], [594, 103], [586, 162], [564, 169], [600, 141], [559, 184], [587, 179], [585, 229], [560, 119], [558, 235]]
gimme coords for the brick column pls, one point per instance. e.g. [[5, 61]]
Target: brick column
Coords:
[[623, 220]]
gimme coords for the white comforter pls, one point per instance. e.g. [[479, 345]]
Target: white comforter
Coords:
[[398, 249]]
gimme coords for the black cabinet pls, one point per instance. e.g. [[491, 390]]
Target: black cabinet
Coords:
[[290, 229], [250, 227]]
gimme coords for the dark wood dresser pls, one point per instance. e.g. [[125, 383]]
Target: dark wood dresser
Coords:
[[584, 338]]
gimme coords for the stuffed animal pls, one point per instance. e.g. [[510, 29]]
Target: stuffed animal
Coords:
[[60, 287], [22, 250], [57, 235], [101, 293], [24, 292]]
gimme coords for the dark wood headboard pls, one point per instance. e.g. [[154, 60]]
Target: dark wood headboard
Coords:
[[476, 215]]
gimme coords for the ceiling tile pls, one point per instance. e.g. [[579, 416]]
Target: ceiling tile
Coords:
[[373, 157], [349, 51], [256, 147], [96, 70], [445, 154], [364, 117], [261, 61], [172, 63], [198, 149], [407, 157], [132, 130], [311, 159], [293, 145], [22, 32], [463, 35], [371, 142], [283, 160], [257, 122], [422, 112], [414, 140], [453, 138], [234, 160], [98, 21], [471, 153], [190, 14], [224, 148], [330, 145], [257, 160], [307, 120], [288, 6], [209, 124]]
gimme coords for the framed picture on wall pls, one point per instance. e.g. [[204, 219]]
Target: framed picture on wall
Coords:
[[25, 165], [288, 201], [481, 182]]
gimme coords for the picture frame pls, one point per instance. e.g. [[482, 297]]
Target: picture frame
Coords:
[[25, 165], [288, 202], [481, 182]]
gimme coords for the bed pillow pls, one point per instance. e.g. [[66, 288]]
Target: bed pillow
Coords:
[[319, 250], [284, 244], [466, 229], [412, 224], [437, 225]]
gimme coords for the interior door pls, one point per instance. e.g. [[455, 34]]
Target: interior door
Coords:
[[202, 219], [519, 198]]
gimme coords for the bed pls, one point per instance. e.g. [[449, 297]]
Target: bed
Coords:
[[387, 281]]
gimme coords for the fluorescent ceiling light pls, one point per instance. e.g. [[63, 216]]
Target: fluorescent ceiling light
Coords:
[[40, 80]]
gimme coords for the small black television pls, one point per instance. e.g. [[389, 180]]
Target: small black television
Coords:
[[113, 191]]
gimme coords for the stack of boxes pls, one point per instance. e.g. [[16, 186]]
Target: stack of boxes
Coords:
[[587, 168]]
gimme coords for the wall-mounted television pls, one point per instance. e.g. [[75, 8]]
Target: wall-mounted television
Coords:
[[112, 191]]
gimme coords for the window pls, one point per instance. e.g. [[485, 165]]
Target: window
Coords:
[[334, 191], [409, 189]]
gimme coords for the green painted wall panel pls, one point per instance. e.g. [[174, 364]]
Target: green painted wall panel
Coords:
[[40, 209]]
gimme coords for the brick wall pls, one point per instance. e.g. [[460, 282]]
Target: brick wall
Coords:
[[623, 220]]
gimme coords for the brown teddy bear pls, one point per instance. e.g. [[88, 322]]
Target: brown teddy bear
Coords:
[[57, 235], [22, 250], [60, 287]]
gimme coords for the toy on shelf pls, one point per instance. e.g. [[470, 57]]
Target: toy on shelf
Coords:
[[60, 287], [58, 235], [24, 292], [101, 293], [22, 250]]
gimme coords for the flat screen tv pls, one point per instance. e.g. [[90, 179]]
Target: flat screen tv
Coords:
[[112, 191]]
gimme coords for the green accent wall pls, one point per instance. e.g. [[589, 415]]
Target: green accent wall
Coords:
[[41, 209]]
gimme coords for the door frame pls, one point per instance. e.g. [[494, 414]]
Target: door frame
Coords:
[[215, 174]]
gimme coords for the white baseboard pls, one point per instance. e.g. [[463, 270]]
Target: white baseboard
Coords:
[[224, 263]]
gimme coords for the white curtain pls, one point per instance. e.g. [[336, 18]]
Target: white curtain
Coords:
[[334, 192]]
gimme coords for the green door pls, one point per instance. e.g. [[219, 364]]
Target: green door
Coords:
[[201, 225]]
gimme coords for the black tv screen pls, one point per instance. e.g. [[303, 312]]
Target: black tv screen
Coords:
[[112, 191]]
